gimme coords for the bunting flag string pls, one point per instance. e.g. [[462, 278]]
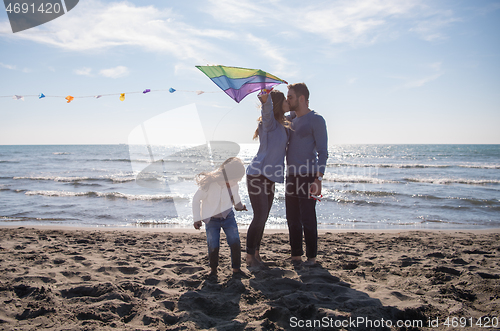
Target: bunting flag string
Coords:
[[234, 81], [121, 96]]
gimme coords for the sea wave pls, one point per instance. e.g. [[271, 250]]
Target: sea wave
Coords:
[[356, 179], [125, 160], [388, 165], [372, 193], [378, 198], [335, 194], [356, 202], [111, 178], [166, 160], [28, 219], [108, 178], [453, 181], [165, 222], [480, 166], [473, 201], [413, 165], [108, 195], [55, 178]]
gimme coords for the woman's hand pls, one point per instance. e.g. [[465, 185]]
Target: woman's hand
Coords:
[[263, 98], [197, 225], [264, 94]]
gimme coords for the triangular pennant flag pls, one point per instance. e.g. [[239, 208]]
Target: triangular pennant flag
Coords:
[[122, 97], [98, 96], [146, 91], [18, 97], [69, 98], [41, 95], [199, 92], [171, 90]]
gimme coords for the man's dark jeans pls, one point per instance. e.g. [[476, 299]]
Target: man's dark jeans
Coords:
[[301, 215]]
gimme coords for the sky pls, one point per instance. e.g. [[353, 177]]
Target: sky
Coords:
[[379, 71]]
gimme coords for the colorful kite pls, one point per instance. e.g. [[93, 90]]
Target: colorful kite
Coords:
[[239, 82]]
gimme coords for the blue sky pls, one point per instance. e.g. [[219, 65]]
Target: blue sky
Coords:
[[379, 71]]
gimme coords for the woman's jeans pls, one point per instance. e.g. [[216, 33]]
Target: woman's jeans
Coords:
[[261, 194], [301, 215], [230, 228]]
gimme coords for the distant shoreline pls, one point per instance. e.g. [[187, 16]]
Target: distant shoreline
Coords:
[[241, 230]]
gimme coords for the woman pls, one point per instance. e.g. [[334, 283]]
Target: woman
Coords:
[[266, 168]]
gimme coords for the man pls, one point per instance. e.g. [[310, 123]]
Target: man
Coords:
[[306, 162]]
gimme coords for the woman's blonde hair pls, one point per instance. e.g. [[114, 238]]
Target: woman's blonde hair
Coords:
[[278, 98], [232, 168]]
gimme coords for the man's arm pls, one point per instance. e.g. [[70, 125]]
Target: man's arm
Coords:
[[321, 137]]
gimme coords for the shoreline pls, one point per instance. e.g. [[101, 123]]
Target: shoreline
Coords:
[[241, 231]]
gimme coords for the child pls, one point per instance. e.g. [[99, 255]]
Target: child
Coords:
[[212, 204]]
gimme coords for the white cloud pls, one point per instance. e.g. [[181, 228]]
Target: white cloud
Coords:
[[83, 71], [116, 72], [7, 66], [422, 81], [230, 11], [435, 67], [341, 21], [432, 29], [100, 25], [13, 67], [356, 21], [273, 53], [345, 21], [5, 27]]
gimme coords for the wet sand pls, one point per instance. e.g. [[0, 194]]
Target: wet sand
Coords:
[[88, 279]]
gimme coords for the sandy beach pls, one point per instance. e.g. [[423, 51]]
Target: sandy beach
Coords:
[[89, 279]]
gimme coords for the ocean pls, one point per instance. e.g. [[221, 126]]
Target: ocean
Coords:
[[407, 187]]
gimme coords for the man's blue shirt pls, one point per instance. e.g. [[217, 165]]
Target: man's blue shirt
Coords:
[[308, 145]]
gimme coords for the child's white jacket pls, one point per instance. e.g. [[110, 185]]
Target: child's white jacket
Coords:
[[207, 203]]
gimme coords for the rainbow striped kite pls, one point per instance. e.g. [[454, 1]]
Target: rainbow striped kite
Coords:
[[239, 82]]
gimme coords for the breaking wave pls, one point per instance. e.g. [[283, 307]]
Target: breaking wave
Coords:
[[108, 195], [453, 181]]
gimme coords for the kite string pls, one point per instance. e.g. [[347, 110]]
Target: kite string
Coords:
[[230, 110]]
